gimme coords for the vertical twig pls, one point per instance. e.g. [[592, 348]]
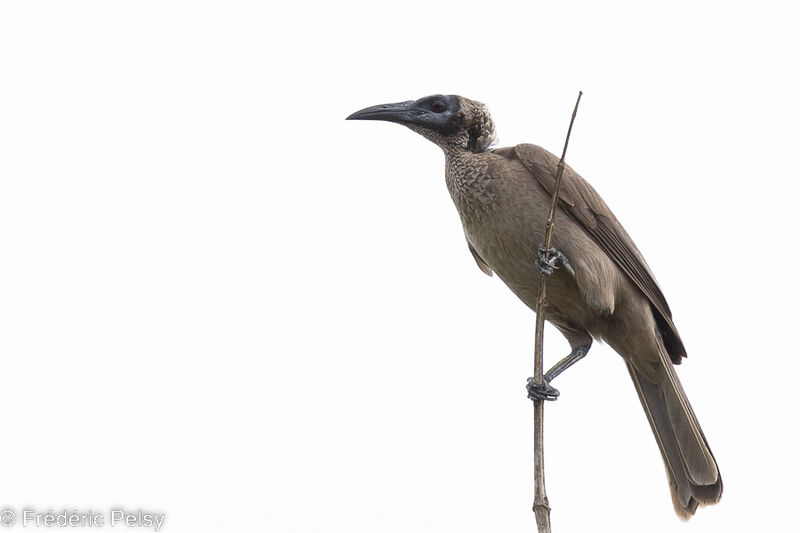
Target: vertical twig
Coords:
[[540, 504]]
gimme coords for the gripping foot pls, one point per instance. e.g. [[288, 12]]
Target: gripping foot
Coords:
[[541, 391], [546, 266], [545, 391]]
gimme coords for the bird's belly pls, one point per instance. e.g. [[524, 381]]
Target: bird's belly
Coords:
[[512, 254]]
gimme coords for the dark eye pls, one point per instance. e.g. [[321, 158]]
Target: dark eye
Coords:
[[437, 106]]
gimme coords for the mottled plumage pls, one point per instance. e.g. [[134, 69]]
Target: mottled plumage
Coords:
[[503, 197]]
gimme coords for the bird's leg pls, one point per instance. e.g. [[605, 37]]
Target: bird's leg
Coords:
[[545, 391], [575, 355], [546, 266]]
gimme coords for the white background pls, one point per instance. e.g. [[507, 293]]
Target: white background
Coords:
[[221, 301]]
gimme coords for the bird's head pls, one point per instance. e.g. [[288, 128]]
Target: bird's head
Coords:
[[450, 121]]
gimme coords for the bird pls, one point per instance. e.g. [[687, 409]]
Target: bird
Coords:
[[599, 287]]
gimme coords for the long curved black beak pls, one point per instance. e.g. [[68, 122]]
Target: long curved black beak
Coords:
[[402, 113]]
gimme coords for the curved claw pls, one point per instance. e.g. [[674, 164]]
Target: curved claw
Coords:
[[546, 266], [541, 391]]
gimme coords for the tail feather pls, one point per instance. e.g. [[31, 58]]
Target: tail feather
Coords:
[[693, 473]]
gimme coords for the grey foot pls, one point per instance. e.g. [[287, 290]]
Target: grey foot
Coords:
[[546, 266], [541, 391]]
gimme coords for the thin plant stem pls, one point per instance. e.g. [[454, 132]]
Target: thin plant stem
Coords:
[[541, 505]]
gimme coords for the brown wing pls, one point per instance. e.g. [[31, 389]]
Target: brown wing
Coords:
[[486, 269], [582, 202]]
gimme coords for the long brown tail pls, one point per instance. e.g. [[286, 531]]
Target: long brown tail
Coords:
[[694, 478]]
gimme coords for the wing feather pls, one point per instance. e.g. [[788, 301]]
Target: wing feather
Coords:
[[582, 202], [486, 269]]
